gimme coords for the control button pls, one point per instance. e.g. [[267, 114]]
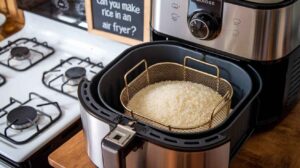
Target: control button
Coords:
[[237, 21], [236, 33], [174, 16], [175, 5], [199, 28], [204, 26]]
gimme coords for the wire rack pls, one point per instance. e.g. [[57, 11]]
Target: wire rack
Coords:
[[165, 71]]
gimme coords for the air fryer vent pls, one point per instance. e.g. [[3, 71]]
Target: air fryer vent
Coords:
[[294, 83]]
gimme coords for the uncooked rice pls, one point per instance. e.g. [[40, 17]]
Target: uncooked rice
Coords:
[[180, 104]]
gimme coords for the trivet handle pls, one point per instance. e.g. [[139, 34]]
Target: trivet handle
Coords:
[[187, 58], [131, 70]]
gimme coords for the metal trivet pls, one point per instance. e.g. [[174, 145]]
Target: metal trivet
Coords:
[[39, 113], [2, 80], [165, 71], [24, 53], [65, 77]]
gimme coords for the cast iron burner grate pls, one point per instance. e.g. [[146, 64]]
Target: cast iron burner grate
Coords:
[[24, 53], [2, 80], [66, 76], [20, 121]]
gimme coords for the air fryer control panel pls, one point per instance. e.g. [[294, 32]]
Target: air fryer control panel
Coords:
[[205, 18], [231, 26]]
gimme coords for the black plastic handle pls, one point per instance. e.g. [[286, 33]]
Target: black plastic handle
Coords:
[[116, 145]]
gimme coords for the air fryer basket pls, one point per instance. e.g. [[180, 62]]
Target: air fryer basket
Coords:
[[105, 105], [166, 71], [112, 82]]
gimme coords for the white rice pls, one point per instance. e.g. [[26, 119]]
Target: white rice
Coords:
[[179, 104]]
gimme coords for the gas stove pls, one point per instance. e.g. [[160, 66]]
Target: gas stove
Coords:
[[41, 67]]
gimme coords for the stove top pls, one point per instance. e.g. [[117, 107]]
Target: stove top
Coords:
[[35, 73], [65, 76], [24, 53], [2, 80]]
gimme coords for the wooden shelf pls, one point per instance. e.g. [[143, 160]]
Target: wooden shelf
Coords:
[[71, 154]]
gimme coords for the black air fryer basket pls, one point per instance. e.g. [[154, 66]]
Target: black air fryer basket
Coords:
[[101, 97]]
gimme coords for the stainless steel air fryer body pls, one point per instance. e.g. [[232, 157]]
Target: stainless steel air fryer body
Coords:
[[115, 139], [253, 31], [149, 155]]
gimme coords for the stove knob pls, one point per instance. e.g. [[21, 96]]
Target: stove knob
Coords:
[[204, 26]]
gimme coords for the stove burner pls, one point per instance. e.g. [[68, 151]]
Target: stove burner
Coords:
[[35, 115], [66, 76], [20, 53], [75, 75], [22, 117], [24, 53]]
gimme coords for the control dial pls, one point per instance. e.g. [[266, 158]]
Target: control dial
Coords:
[[204, 26]]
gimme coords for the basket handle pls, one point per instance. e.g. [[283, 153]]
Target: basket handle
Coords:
[[219, 106], [131, 70], [187, 58]]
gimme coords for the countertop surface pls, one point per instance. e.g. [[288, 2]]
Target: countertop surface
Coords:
[[278, 147]]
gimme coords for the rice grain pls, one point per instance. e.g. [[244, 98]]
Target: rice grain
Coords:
[[179, 104]]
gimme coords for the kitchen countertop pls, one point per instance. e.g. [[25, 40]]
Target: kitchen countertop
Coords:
[[277, 147]]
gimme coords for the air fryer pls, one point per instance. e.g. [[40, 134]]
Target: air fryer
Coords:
[[255, 45], [104, 111]]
